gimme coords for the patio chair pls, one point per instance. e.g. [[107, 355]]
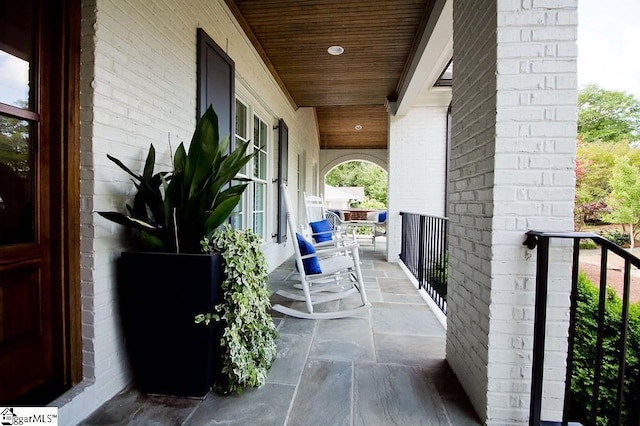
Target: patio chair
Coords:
[[325, 276], [337, 223], [380, 227]]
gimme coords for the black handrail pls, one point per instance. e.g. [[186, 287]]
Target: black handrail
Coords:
[[424, 253], [541, 241]]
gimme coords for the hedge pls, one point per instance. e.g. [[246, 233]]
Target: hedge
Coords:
[[584, 355]]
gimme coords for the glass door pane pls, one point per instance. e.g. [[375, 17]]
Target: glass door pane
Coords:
[[16, 182], [18, 122]]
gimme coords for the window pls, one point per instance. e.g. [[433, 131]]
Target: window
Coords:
[[260, 139], [242, 133], [302, 185], [251, 212], [315, 180], [446, 78]]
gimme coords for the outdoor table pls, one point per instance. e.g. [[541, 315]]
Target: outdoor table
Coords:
[[368, 223]]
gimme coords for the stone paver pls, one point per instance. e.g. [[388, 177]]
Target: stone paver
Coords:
[[324, 394], [265, 406], [387, 394], [385, 366]]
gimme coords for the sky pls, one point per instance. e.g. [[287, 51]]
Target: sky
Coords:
[[14, 78], [609, 44]]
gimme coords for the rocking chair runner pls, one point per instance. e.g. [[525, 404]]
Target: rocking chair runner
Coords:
[[339, 276]]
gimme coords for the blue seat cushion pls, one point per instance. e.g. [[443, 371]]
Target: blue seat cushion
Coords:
[[321, 230], [382, 216], [311, 265]]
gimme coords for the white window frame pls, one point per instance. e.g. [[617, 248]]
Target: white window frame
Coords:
[[301, 170], [245, 214], [238, 217], [315, 180], [263, 147]]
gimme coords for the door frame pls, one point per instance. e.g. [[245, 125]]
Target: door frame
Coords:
[[64, 73], [58, 53]]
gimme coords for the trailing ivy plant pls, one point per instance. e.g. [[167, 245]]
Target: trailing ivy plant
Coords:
[[248, 338]]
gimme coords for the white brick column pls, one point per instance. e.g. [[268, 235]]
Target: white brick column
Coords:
[[417, 168], [512, 169]]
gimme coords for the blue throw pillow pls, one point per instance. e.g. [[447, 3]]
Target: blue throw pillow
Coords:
[[311, 265], [323, 230], [382, 216]]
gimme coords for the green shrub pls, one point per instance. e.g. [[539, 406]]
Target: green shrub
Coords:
[[437, 273], [588, 245], [617, 237], [584, 355]]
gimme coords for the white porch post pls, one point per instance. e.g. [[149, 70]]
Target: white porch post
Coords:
[[417, 168], [511, 170]]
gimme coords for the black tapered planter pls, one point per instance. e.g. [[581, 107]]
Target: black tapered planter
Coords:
[[161, 293]]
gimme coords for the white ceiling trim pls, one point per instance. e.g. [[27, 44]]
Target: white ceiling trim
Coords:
[[434, 52]]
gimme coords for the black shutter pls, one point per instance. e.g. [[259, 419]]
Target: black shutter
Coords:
[[216, 84]]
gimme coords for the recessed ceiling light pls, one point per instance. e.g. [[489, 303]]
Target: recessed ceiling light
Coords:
[[335, 50], [358, 127]]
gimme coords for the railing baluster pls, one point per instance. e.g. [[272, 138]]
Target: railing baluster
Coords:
[[421, 248], [600, 335], [542, 269], [403, 238], [572, 328], [623, 337]]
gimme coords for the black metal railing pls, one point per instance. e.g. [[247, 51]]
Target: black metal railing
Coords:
[[424, 253], [605, 358]]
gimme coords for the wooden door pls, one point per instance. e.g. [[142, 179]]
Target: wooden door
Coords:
[[31, 121]]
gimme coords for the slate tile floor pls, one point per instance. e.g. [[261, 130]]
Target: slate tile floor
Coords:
[[385, 367]]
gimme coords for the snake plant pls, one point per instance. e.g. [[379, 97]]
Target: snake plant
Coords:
[[173, 210]]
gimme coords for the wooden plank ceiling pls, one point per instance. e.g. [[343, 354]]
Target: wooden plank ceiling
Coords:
[[378, 37]]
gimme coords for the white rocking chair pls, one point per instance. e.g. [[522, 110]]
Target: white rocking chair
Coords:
[[339, 276], [316, 211], [314, 208]]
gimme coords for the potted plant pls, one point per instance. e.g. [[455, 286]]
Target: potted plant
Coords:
[[167, 281]]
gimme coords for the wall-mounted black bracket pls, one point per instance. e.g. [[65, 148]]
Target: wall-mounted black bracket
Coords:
[[531, 242]]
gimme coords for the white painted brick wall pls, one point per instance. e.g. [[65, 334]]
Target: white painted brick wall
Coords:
[[514, 128], [417, 168], [138, 86]]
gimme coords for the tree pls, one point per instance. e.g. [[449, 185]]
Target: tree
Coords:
[[624, 198], [14, 145], [607, 115], [359, 173], [595, 164]]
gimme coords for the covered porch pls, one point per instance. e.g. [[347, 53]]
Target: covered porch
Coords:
[[493, 152], [386, 366]]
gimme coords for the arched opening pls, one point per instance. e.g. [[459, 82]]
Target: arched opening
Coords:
[[356, 184]]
